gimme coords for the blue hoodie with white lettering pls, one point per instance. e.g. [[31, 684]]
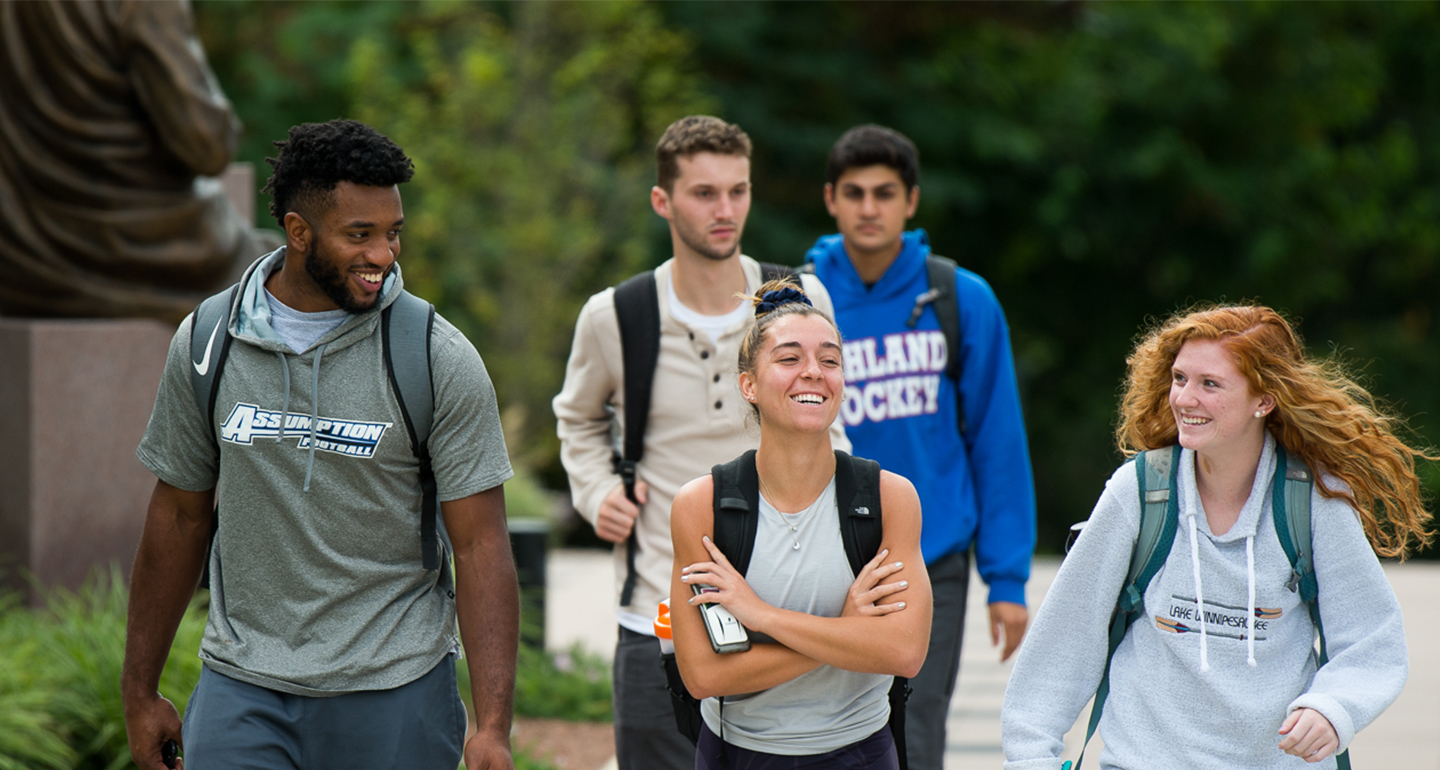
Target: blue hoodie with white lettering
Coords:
[[900, 408]]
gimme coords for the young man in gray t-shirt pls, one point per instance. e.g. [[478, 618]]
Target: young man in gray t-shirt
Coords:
[[328, 642]]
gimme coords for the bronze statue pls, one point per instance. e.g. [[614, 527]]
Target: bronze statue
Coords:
[[112, 129]]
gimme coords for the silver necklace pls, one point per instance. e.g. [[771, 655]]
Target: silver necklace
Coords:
[[794, 526]]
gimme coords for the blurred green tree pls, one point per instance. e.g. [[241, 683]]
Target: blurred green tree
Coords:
[[1101, 164], [531, 126]]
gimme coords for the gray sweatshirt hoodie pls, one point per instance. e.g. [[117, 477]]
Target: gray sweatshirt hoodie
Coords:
[[317, 585], [1193, 685]]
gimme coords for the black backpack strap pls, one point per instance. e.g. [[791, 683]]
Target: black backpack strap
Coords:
[[857, 495], [940, 277], [1157, 472], [941, 273], [405, 327], [209, 349], [737, 509], [637, 308], [209, 327]]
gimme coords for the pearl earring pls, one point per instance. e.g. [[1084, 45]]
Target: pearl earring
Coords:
[[1259, 413]]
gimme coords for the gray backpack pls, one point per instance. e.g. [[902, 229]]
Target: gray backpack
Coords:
[[405, 327]]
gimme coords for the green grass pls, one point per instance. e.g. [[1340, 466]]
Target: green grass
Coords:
[[60, 706]]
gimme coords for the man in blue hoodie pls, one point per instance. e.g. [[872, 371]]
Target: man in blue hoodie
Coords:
[[972, 470]]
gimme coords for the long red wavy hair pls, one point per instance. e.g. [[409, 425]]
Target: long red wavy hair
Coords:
[[1320, 414]]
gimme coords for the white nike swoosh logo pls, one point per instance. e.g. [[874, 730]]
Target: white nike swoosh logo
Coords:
[[203, 365]]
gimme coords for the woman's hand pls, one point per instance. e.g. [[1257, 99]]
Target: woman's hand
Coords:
[[730, 589], [1308, 735], [867, 591]]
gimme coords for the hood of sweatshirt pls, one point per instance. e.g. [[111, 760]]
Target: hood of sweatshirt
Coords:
[[250, 323], [1196, 526], [844, 283]]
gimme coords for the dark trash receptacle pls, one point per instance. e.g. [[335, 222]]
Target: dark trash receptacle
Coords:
[[528, 542]]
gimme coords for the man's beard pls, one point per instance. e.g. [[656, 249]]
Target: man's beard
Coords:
[[334, 282], [697, 244]]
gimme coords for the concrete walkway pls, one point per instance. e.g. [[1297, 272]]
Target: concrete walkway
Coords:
[[1407, 735]]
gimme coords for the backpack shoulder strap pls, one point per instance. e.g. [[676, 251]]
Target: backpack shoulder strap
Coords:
[[941, 274], [210, 325], [862, 528], [1157, 471], [1290, 508], [405, 327], [637, 308], [940, 278], [857, 496], [736, 507]]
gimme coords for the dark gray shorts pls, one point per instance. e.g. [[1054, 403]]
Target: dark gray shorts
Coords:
[[233, 725]]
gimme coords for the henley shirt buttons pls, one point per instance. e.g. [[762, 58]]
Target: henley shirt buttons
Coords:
[[704, 354], [717, 404], [717, 378]]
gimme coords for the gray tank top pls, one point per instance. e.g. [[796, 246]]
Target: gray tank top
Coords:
[[827, 708]]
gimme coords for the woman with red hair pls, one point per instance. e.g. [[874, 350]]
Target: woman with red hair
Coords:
[[1220, 670]]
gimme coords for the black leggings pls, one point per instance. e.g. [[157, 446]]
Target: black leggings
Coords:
[[876, 752]]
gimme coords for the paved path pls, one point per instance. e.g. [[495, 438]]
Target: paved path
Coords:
[[1407, 735]]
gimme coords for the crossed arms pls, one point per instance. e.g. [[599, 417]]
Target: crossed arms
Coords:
[[868, 637]]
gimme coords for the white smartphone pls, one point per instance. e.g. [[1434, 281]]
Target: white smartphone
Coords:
[[726, 633]]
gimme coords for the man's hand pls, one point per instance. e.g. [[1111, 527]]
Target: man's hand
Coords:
[[617, 514], [1308, 735], [1008, 620], [484, 753], [149, 722]]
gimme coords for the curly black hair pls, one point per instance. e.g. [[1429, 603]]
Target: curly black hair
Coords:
[[319, 156]]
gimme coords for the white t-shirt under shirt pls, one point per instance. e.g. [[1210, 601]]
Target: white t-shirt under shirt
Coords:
[[301, 330], [712, 325]]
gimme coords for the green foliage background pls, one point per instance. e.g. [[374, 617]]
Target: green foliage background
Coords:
[[60, 667], [1100, 164]]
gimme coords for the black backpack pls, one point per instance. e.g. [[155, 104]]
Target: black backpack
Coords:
[[737, 518], [637, 308], [405, 327]]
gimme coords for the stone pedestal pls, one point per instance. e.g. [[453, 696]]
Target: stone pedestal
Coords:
[[75, 397]]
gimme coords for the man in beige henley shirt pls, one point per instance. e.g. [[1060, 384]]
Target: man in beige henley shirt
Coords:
[[696, 417]]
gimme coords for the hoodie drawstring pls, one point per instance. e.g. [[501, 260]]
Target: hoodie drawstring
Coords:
[[314, 411], [1250, 605], [285, 408], [1199, 592]]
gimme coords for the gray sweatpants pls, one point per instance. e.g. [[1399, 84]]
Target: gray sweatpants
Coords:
[[645, 734], [237, 726]]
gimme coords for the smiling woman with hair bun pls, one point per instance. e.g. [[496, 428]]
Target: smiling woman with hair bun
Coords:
[[1217, 667], [828, 641]]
